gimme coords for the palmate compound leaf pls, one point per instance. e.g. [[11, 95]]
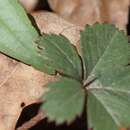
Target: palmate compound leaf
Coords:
[[64, 100], [106, 54], [18, 36], [61, 55]]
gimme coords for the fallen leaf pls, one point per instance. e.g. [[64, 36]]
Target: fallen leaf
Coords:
[[82, 12], [19, 84]]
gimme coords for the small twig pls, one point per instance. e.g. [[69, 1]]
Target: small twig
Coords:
[[40, 116]]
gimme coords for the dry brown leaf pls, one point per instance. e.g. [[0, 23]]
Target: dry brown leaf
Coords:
[[21, 83], [82, 12]]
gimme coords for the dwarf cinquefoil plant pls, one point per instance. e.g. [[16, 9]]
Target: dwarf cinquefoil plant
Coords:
[[100, 75], [97, 79]]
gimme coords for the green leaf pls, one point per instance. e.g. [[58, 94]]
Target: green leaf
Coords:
[[18, 36], [106, 55], [64, 100], [94, 41], [61, 55]]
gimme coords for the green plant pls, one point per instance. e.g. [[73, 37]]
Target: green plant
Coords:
[[99, 77]]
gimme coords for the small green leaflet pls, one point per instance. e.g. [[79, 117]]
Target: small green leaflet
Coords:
[[64, 101], [94, 41], [60, 55], [106, 54], [18, 36]]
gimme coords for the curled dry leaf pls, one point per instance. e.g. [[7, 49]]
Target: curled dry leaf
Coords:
[[82, 12], [21, 83]]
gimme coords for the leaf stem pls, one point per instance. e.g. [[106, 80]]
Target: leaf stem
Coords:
[[88, 82]]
